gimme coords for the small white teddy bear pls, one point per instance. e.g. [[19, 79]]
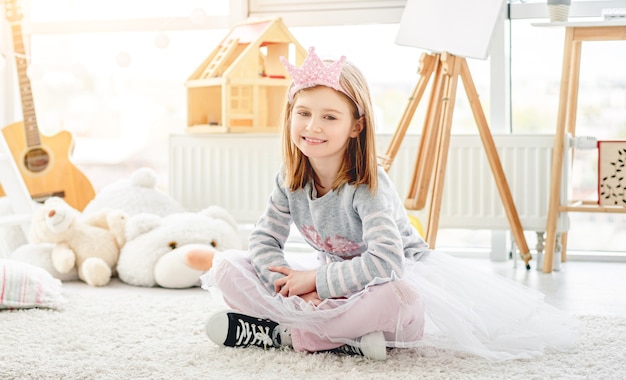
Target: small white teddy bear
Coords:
[[91, 245]]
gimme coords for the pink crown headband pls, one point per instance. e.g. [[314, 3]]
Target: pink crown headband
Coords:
[[314, 72]]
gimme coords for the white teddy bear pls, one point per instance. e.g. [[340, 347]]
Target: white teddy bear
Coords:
[[173, 251], [89, 245]]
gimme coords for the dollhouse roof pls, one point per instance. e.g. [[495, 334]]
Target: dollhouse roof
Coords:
[[240, 47]]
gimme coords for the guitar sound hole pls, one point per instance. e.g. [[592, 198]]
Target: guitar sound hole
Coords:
[[36, 160]]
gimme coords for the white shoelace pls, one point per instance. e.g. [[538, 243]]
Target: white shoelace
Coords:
[[253, 334]]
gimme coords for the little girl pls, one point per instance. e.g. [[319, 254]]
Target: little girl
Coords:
[[377, 284]]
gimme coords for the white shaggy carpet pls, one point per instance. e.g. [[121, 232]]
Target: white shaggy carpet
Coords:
[[124, 332]]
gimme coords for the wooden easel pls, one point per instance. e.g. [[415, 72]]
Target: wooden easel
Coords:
[[430, 166]]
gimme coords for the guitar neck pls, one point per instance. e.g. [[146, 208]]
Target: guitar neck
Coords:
[[31, 128]]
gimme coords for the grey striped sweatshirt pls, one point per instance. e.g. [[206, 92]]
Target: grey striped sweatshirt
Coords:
[[363, 236]]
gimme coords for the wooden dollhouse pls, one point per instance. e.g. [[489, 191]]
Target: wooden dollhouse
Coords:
[[242, 85]]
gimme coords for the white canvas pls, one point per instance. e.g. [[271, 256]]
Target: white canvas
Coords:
[[460, 27]]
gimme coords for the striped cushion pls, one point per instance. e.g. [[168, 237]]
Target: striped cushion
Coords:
[[23, 285]]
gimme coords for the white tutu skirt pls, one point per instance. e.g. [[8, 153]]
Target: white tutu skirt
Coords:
[[466, 310]]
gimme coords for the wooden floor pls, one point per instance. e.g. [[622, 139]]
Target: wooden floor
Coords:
[[579, 287]]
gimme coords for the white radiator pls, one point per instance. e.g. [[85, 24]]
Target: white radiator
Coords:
[[236, 171]]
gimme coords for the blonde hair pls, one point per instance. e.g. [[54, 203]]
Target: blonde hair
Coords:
[[360, 166]]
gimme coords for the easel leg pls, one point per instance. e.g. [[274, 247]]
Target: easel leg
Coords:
[[427, 150], [450, 69], [494, 162]]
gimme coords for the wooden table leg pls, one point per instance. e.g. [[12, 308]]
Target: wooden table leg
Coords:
[[554, 201]]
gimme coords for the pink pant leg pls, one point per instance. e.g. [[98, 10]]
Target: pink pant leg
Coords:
[[231, 281], [394, 308]]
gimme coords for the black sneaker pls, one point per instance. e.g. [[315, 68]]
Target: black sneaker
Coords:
[[371, 346], [232, 329]]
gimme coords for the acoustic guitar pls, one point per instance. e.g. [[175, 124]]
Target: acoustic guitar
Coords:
[[43, 161]]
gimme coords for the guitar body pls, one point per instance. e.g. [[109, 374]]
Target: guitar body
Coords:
[[46, 169]]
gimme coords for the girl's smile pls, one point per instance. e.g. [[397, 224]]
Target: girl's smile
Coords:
[[312, 140]]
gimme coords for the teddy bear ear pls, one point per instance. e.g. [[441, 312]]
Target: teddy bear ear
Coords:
[[218, 212], [144, 177], [140, 224], [55, 202]]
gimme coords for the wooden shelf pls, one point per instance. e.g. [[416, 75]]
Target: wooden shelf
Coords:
[[591, 206]]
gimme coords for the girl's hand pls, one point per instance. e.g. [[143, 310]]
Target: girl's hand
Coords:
[[311, 297], [295, 282]]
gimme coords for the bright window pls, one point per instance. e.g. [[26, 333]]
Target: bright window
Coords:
[[113, 73]]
